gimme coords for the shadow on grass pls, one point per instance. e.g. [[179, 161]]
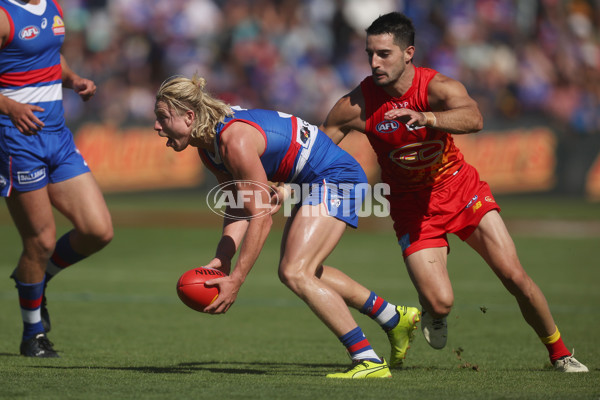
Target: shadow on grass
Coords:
[[219, 367]]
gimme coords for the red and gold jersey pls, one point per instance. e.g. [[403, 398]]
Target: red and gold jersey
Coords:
[[411, 158]]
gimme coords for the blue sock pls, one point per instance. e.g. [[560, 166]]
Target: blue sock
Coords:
[[381, 311], [358, 346], [30, 300], [63, 257]]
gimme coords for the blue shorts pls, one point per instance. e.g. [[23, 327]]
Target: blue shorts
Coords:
[[341, 188], [32, 162]]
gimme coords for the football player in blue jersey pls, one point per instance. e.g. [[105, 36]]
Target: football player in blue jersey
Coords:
[[40, 167], [252, 149]]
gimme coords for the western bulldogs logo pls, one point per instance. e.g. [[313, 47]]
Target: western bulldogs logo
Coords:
[[29, 32], [304, 134], [387, 126]]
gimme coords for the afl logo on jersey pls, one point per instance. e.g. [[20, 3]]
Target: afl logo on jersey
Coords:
[[387, 126], [418, 155], [29, 32]]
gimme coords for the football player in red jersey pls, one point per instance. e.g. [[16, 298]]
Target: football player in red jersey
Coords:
[[409, 115]]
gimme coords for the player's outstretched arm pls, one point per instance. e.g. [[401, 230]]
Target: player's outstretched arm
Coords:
[[345, 116]]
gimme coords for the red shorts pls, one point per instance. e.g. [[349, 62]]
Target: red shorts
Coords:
[[422, 219]]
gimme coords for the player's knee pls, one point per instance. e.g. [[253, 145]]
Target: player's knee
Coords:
[[99, 236], [293, 278], [517, 282], [440, 306], [41, 246], [440, 310]]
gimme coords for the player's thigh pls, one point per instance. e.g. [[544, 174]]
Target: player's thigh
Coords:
[[309, 237], [32, 214], [81, 201], [427, 269], [493, 242]]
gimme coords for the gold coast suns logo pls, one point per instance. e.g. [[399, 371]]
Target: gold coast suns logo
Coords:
[[58, 26], [418, 155]]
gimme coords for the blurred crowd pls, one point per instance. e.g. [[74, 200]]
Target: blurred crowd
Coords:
[[516, 57]]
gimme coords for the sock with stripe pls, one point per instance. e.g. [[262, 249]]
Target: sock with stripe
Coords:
[[63, 257], [556, 347], [30, 300], [358, 346], [381, 311]]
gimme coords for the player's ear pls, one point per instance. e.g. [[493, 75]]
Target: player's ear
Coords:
[[409, 53], [189, 118]]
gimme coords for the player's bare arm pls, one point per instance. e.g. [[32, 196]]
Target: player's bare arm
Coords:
[[85, 88], [21, 115], [234, 229], [453, 110], [240, 147], [346, 115]]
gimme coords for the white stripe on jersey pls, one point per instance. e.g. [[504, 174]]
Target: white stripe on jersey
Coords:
[[306, 147], [34, 94]]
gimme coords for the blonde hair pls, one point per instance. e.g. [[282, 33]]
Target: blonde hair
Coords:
[[181, 94]]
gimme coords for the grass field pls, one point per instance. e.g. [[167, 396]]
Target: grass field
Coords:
[[122, 332]]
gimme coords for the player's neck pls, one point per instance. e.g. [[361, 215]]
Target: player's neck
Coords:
[[403, 83]]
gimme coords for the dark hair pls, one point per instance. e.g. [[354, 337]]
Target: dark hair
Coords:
[[397, 24]]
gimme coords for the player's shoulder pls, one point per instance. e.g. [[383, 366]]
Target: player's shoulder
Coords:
[[352, 102]]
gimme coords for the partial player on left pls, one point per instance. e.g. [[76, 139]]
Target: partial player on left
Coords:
[[40, 167]]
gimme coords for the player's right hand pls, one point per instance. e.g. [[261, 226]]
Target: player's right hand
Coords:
[[228, 289], [24, 119]]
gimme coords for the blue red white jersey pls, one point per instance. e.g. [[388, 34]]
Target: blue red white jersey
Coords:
[[295, 151], [30, 69]]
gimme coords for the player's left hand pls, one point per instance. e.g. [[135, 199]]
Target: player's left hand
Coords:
[[85, 88], [228, 289], [406, 116], [279, 193]]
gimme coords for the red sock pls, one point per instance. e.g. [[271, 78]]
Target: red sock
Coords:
[[557, 350]]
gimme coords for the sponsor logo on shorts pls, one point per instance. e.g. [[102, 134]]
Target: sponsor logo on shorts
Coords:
[[490, 199], [387, 126], [3, 181], [335, 202], [474, 199], [28, 177], [404, 242]]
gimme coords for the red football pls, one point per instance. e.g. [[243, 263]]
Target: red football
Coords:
[[191, 289]]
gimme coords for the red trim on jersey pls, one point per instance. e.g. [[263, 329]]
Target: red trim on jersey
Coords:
[[11, 33], [24, 78], [208, 162], [30, 304], [359, 346], [60, 11], [253, 124], [287, 163]]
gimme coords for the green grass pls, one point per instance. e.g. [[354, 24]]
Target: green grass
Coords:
[[123, 334]]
